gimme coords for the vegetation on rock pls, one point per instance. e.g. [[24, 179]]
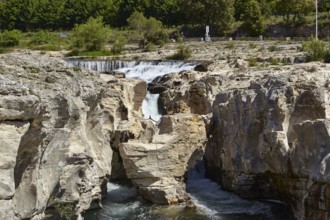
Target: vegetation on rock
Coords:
[[315, 49]]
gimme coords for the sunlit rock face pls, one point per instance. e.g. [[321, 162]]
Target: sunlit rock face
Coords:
[[263, 132], [56, 124], [158, 160], [268, 135]]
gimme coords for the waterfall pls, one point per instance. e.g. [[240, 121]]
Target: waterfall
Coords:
[[102, 65], [144, 70]]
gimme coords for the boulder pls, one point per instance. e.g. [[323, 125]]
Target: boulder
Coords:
[[158, 165]]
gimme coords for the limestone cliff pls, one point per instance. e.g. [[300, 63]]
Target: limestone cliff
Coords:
[[56, 123], [66, 131], [269, 131]]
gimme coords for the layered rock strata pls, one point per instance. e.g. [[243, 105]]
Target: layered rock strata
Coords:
[[269, 131]]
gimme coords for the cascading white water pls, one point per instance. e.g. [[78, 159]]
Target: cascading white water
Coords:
[[145, 70], [150, 107], [102, 65], [148, 72]]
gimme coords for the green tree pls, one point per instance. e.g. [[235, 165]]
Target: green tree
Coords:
[[294, 11], [47, 14], [219, 14], [253, 18], [155, 32], [267, 7], [127, 7], [119, 44], [76, 12], [324, 5], [108, 9], [150, 29], [167, 11], [137, 21], [91, 36], [17, 14], [239, 9]]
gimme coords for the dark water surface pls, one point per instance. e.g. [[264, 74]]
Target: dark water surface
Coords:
[[213, 203]]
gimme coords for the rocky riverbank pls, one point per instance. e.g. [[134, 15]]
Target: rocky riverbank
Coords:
[[263, 131], [269, 134]]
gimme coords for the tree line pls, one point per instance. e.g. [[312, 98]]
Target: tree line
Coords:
[[30, 15]]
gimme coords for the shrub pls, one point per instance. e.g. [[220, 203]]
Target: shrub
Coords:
[[3, 50], [10, 38], [150, 47], [252, 46], [315, 50], [119, 44], [137, 21], [154, 32], [41, 37], [65, 210], [272, 48], [150, 29], [312, 69], [274, 61], [183, 53], [91, 36], [230, 45], [252, 61]]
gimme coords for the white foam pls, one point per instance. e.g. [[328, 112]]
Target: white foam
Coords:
[[148, 71], [203, 209], [150, 107]]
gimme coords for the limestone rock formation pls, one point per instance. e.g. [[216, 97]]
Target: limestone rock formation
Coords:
[[56, 123], [158, 160], [264, 133], [269, 130]]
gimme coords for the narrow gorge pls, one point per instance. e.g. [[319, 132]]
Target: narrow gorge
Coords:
[[72, 130]]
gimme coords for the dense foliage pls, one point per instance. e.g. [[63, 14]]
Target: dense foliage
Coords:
[[91, 36], [31, 15], [10, 38], [150, 29]]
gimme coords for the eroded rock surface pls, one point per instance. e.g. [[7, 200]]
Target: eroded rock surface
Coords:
[[264, 133], [158, 160], [269, 130], [56, 123]]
